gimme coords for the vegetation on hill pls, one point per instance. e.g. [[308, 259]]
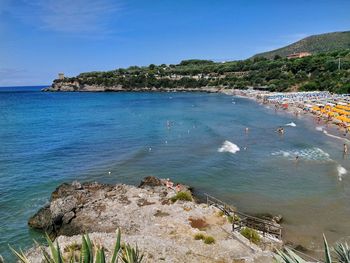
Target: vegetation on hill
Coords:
[[313, 44], [316, 72]]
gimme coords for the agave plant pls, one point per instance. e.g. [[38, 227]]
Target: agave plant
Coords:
[[131, 255], [341, 250], [89, 253]]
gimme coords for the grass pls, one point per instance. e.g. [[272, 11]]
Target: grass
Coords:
[[209, 240], [199, 236], [183, 196], [220, 213], [251, 234], [206, 239]]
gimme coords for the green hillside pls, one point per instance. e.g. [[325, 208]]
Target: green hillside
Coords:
[[313, 44], [321, 71]]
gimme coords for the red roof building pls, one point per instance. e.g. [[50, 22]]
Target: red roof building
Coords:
[[299, 55]]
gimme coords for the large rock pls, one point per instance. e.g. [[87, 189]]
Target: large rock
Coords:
[[151, 181], [162, 229], [77, 208], [65, 213], [42, 219]]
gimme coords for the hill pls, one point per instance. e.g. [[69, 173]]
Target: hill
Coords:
[[320, 71], [313, 44]]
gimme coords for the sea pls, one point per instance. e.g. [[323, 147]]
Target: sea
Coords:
[[198, 139]]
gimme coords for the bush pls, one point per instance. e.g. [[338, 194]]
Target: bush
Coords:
[[183, 196], [230, 219], [199, 236], [251, 234], [208, 240], [220, 213]]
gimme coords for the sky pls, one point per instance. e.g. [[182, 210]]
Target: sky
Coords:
[[39, 38]]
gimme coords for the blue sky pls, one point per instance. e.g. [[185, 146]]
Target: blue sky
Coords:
[[39, 38]]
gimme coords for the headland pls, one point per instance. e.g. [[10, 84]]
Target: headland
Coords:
[[164, 221]]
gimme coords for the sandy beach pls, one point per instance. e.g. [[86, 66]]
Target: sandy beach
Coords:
[[322, 108]]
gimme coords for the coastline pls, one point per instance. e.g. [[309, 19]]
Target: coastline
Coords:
[[76, 87], [164, 230], [320, 122], [280, 113]]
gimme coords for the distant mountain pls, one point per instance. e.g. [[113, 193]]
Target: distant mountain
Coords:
[[313, 44]]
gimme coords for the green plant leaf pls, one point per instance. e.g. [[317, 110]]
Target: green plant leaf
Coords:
[[116, 247], [84, 252], [343, 253], [20, 255], [59, 255], [90, 248], [100, 256], [327, 253]]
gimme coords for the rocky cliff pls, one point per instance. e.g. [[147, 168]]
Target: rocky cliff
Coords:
[[147, 215], [75, 86]]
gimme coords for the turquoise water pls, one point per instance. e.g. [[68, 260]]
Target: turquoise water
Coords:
[[50, 138]]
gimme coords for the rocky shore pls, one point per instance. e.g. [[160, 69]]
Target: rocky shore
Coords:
[[77, 87], [149, 216]]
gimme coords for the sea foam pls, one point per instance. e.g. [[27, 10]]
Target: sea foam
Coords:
[[291, 124], [228, 146], [309, 154], [341, 171]]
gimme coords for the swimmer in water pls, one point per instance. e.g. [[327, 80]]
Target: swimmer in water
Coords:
[[280, 130], [246, 130]]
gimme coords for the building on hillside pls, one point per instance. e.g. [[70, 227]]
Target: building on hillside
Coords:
[[60, 75], [299, 55]]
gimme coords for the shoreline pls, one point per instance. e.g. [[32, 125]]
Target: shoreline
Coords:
[[323, 123], [164, 230]]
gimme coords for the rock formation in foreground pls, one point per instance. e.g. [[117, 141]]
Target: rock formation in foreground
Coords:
[[164, 230]]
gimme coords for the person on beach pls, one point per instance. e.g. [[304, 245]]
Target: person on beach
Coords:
[[297, 159], [169, 183], [345, 150], [178, 188]]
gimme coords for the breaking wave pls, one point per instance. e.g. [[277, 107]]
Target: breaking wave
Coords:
[[341, 171], [291, 124], [312, 154], [228, 146]]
